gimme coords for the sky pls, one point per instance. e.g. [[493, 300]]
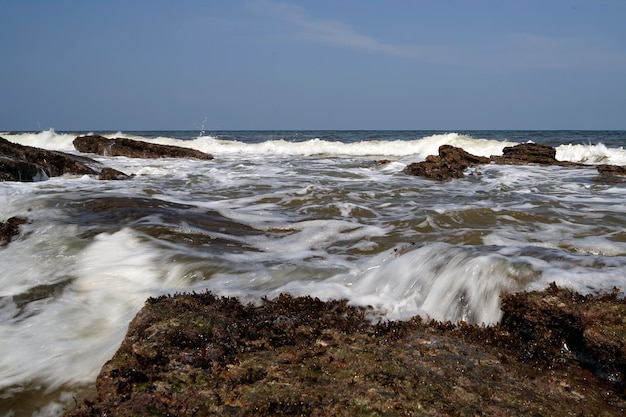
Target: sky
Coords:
[[307, 65]]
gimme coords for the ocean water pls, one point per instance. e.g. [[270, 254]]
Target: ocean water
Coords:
[[309, 213]]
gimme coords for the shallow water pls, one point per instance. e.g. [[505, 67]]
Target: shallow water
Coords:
[[310, 213]]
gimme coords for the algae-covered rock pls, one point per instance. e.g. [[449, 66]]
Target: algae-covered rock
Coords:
[[200, 355]]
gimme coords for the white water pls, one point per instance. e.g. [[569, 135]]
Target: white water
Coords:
[[315, 217]]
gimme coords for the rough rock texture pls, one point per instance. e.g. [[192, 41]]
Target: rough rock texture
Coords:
[[452, 161], [527, 153], [133, 149], [27, 164], [113, 174], [611, 174], [556, 353], [11, 228]]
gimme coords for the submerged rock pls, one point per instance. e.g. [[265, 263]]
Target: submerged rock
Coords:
[[133, 148], [10, 229], [197, 354], [27, 164]]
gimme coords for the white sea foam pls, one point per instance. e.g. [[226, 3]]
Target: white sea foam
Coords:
[[66, 339], [591, 154], [324, 226]]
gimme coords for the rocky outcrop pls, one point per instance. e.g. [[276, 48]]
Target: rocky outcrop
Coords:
[[555, 353], [27, 164], [10, 229], [452, 161], [527, 153], [100, 145]]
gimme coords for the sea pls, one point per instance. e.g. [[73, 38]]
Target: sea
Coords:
[[327, 214]]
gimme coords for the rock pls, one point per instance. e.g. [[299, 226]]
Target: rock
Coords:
[[197, 354], [527, 153], [133, 149], [10, 229], [113, 174], [27, 164], [610, 174], [21, 171], [592, 328], [611, 170], [450, 163], [453, 161]]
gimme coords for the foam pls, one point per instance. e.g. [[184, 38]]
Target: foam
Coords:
[[65, 340]]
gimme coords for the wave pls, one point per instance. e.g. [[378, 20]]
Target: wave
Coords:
[[418, 148]]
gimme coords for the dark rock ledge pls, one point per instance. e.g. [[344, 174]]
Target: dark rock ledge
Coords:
[[27, 163], [133, 148], [555, 353], [452, 162]]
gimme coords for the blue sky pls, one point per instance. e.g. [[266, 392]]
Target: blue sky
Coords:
[[265, 64]]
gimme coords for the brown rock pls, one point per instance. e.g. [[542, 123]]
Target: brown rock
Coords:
[[27, 164], [611, 170], [10, 229], [450, 163], [197, 354], [113, 174], [527, 153], [133, 149]]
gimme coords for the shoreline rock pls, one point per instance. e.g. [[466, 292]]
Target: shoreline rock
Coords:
[[100, 145], [10, 229], [451, 162], [27, 164], [555, 353]]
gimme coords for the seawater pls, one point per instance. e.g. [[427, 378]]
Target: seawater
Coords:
[[329, 214]]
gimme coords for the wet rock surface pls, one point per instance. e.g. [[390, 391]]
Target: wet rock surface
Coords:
[[133, 148], [108, 174], [555, 353], [27, 164], [11, 228], [452, 161]]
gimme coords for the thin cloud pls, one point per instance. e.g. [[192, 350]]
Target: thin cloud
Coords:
[[505, 52], [331, 31]]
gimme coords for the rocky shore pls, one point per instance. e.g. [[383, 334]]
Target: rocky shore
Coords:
[[27, 164], [555, 353]]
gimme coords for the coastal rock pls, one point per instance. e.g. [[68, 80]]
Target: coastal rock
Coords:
[[610, 174], [27, 164], [611, 170], [450, 163], [527, 153], [112, 174], [197, 354], [10, 229], [100, 145]]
